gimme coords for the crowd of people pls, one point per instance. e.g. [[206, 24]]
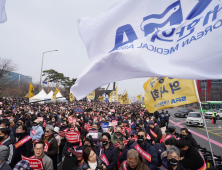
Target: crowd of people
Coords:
[[100, 136]]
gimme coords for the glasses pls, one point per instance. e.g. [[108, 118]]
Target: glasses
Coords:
[[131, 163], [140, 136], [47, 131], [38, 149]]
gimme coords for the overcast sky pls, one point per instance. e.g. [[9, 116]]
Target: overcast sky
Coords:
[[34, 27]]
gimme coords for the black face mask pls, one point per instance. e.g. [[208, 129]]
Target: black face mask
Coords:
[[140, 140], [18, 123], [35, 124], [1, 138], [183, 136], [18, 135], [118, 133], [173, 162], [105, 143]]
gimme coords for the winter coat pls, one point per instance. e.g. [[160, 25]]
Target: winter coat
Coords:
[[53, 146], [192, 159], [157, 131], [191, 140], [141, 165], [47, 162], [114, 140], [160, 147], [147, 147], [86, 166], [70, 160], [8, 142], [167, 166], [111, 155], [24, 149], [124, 154], [5, 166], [39, 132]]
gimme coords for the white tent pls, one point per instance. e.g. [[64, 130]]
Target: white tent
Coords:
[[49, 96], [40, 96], [60, 99]]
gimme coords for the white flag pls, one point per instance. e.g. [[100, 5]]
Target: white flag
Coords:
[[3, 17], [150, 38]]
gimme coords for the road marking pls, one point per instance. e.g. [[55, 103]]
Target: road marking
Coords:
[[217, 134], [197, 134], [182, 122]]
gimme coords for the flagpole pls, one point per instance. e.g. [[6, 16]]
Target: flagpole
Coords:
[[29, 91], [197, 94]]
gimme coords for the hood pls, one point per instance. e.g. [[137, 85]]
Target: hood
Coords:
[[4, 152], [195, 118], [189, 135]]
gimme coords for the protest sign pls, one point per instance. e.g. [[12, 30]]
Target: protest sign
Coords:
[[35, 163], [61, 133], [114, 122], [78, 110], [125, 142], [94, 134], [40, 118], [117, 145], [46, 148], [105, 126], [73, 137]]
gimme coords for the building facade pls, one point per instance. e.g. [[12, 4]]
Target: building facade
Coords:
[[210, 90], [17, 78]]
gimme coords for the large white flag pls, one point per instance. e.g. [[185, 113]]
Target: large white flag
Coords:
[[3, 17], [149, 38]]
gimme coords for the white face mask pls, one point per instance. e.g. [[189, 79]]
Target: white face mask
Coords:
[[147, 120], [151, 119]]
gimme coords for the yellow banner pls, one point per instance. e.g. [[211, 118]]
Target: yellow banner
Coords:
[[125, 99], [31, 91], [91, 96], [57, 90], [101, 98], [71, 97], [139, 97], [54, 97], [164, 92]]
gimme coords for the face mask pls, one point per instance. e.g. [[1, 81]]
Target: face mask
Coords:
[[18, 123], [118, 133], [1, 138], [173, 162], [35, 124], [183, 136], [147, 120], [140, 140], [105, 143], [18, 134]]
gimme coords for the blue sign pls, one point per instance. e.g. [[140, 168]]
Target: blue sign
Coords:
[[105, 126], [78, 110], [44, 82]]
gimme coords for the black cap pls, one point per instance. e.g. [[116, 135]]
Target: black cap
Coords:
[[171, 128]]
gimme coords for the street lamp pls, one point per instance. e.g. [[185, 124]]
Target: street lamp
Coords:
[[41, 67]]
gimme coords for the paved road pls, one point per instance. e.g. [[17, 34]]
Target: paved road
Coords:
[[199, 133]]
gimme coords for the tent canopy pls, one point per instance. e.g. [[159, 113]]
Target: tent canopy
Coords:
[[40, 96]]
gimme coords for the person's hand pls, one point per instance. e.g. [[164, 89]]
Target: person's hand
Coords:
[[120, 147], [89, 169], [124, 134], [181, 158], [87, 135], [153, 143], [104, 167]]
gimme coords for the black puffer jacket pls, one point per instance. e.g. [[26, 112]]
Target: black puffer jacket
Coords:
[[111, 155], [24, 149], [86, 166], [191, 140], [193, 159], [158, 132]]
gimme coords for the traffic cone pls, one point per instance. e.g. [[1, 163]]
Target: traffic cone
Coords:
[[212, 122]]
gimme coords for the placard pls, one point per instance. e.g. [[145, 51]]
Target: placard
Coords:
[[46, 148], [73, 137], [78, 110], [117, 145], [40, 118], [105, 126], [35, 163]]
